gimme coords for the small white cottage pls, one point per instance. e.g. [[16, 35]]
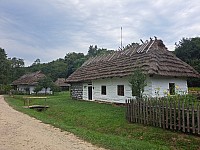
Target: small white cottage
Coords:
[[28, 82], [106, 78]]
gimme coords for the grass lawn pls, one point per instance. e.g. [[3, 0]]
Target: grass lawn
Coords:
[[104, 125]]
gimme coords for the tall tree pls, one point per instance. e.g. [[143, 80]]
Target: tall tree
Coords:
[[4, 67], [188, 50], [95, 51], [74, 61], [17, 68], [138, 82]]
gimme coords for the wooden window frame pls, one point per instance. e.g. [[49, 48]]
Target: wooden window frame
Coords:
[[120, 90], [103, 90]]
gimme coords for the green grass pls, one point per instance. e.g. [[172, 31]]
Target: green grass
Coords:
[[104, 125]]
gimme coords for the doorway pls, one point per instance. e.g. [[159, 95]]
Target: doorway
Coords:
[[89, 92]]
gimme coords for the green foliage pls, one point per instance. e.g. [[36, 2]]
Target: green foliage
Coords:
[[188, 50], [105, 125], [17, 68], [4, 67], [74, 61], [45, 83], [5, 89], [37, 89], [95, 51], [13, 68], [138, 82]]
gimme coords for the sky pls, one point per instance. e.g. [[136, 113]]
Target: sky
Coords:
[[49, 29]]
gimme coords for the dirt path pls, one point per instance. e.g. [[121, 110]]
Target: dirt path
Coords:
[[21, 132]]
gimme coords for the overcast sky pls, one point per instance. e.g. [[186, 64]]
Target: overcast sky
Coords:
[[48, 29]]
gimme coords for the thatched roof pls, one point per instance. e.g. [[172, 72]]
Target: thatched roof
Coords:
[[152, 57], [29, 79], [61, 82]]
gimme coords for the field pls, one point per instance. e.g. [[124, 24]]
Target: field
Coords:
[[104, 124]]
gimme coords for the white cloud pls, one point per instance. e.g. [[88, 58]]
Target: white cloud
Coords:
[[49, 29]]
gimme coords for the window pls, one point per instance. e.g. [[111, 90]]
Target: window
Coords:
[[120, 90], [103, 90], [172, 88]]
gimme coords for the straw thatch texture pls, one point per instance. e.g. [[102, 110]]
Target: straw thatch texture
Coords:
[[29, 79], [152, 57], [61, 82]]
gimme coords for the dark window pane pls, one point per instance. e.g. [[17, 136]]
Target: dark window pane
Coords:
[[120, 90], [103, 90]]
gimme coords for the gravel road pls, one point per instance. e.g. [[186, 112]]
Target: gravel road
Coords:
[[19, 131]]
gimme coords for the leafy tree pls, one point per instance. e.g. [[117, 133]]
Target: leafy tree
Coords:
[[4, 67], [95, 51], [138, 82], [16, 62], [37, 89], [74, 61], [36, 62], [45, 83], [17, 68], [188, 50]]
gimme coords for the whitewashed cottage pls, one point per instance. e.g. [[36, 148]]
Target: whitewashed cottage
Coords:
[[28, 82], [106, 78]]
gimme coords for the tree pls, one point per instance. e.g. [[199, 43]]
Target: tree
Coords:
[[37, 89], [74, 61], [44, 83], [16, 62], [95, 51], [4, 67], [138, 82], [17, 68], [188, 50], [36, 62]]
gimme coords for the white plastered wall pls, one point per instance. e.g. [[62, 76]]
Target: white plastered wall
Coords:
[[160, 85], [157, 86]]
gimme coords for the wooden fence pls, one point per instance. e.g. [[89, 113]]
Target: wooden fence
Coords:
[[165, 114]]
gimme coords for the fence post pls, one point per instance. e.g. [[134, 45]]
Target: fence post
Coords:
[[167, 114], [170, 114], [179, 115], [160, 123], [174, 115], [147, 111], [131, 111], [183, 117], [198, 119], [188, 118], [193, 123], [163, 114], [144, 112]]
